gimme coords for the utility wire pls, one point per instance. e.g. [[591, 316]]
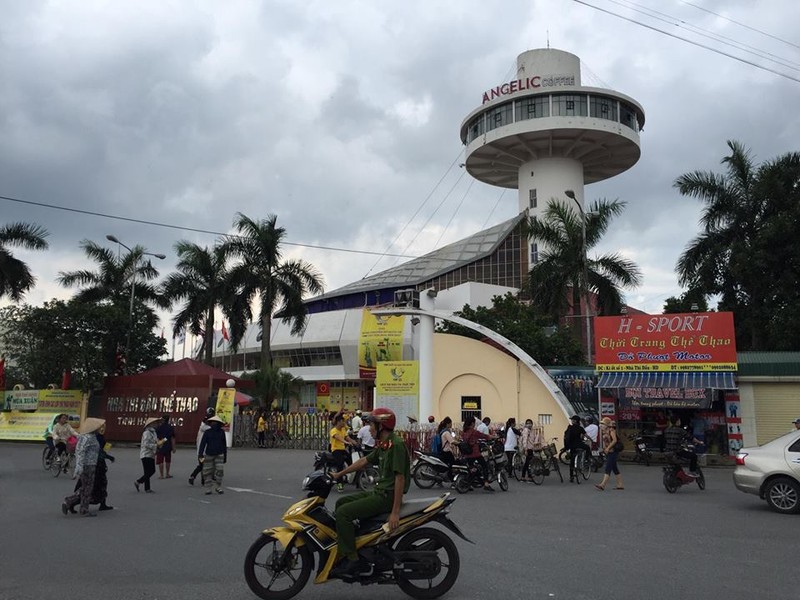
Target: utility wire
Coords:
[[421, 206], [769, 35], [491, 212], [689, 41], [455, 212], [184, 228], [677, 22]]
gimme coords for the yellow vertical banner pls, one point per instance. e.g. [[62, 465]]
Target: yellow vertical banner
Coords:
[[225, 403], [397, 387], [381, 340]]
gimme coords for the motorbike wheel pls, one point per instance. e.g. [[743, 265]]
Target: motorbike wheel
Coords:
[[647, 456], [367, 479], [47, 458], [502, 480], [670, 483], [424, 475], [564, 456], [462, 483], [429, 540], [701, 480], [537, 471], [287, 568]]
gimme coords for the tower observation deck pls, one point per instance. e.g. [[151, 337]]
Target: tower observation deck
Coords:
[[544, 133]]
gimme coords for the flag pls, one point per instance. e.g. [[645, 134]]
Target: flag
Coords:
[[225, 333], [119, 361], [219, 337], [2, 372], [182, 336], [162, 333]]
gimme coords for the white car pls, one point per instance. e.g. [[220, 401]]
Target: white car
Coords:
[[772, 471]]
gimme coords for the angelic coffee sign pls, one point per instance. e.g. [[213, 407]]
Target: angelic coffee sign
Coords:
[[529, 83], [674, 342]]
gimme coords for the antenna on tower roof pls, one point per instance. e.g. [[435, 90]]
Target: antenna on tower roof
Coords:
[[548, 39]]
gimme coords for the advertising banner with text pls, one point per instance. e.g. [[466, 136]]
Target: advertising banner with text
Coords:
[[675, 342], [397, 387], [381, 339]]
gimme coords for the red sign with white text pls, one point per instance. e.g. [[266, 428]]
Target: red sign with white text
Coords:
[[677, 342]]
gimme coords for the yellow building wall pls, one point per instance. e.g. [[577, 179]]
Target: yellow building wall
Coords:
[[467, 367]]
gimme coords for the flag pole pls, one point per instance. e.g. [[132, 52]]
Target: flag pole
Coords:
[[173, 346]]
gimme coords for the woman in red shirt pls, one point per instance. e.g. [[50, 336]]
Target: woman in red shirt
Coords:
[[471, 436]]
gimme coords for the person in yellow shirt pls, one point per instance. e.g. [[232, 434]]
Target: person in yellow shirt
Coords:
[[339, 442], [261, 429]]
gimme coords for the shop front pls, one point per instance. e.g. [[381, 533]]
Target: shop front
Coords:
[[655, 368]]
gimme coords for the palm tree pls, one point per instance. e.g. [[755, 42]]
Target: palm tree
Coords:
[[744, 253], [15, 276], [273, 383], [262, 274], [201, 282], [561, 268], [112, 280]]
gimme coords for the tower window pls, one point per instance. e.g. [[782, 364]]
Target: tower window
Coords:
[[534, 254], [532, 198]]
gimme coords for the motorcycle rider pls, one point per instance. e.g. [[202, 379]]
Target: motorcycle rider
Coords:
[[364, 436], [339, 441], [391, 457], [573, 441], [357, 423], [471, 436], [592, 430], [674, 438]]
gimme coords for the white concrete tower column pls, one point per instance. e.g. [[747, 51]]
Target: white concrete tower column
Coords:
[[426, 325]]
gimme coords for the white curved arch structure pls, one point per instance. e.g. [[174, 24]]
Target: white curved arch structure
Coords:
[[534, 367]]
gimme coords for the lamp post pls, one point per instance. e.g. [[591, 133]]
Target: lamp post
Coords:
[[571, 194], [136, 257]]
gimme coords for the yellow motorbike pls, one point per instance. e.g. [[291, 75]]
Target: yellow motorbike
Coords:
[[422, 561]]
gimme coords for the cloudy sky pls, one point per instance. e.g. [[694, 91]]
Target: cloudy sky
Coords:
[[341, 117]]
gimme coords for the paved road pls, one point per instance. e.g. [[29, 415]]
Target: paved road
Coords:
[[549, 541]]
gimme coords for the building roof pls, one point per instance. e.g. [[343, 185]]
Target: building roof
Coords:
[[188, 366], [433, 264], [776, 364]]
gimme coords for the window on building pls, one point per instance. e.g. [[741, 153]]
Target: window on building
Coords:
[[532, 198], [534, 254], [545, 419], [499, 116], [532, 108], [470, 406], [569, 105], [627, 116], [475, 128], [603, 108]]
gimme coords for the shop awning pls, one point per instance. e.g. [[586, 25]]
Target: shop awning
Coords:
[[702, 379]]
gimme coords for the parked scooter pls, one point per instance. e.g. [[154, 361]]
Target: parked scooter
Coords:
[[422, 561], [469, 473], [675, 476], [429, 470], [364, 480], [643, 453]]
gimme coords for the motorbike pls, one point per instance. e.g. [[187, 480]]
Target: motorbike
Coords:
[[364, 480], [468, 473], [675, 476], [429, 470], [643, 453], [422, 561]]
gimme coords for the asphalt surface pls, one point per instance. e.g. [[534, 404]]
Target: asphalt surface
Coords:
[[549, 541]]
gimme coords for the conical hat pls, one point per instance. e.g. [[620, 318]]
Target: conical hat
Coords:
[[215, 419], [91, 424], [152, 420]]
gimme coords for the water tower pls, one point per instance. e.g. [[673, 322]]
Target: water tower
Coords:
[[544, 133]]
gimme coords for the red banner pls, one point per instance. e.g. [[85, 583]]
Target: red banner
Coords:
[[676, 342]]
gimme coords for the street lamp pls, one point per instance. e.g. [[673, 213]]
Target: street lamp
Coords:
[[571, 194], [136, 257]]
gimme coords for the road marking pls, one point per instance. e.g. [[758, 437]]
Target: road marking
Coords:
[[200, 501], [249, 491]]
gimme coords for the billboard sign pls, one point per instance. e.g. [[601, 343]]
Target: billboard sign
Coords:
[[673, 342]]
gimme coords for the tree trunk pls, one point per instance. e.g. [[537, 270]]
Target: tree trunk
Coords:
[[266, 333], [208, 336]]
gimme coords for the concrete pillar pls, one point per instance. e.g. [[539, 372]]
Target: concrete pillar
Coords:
[[426, 359]]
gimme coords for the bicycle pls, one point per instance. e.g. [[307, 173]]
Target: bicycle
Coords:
[[583, 465], [47, 457], [63, 463], [544, 462]]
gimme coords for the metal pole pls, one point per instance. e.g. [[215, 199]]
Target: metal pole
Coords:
[[130, 315], [586, 293]]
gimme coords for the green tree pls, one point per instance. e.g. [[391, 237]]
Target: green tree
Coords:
[[202, 284], [262, 274], [688, 301], [557, 281], [44, 340], [521, 323], [15, 276], [274, 383], [746, 252]]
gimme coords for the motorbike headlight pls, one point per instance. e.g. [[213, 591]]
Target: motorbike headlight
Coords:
[[305, 483]]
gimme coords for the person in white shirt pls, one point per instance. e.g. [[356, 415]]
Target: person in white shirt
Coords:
[[483, 426], [365, 438], [510, 447], [592, 430], [356, 423]]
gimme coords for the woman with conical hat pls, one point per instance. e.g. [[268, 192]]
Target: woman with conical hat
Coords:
[[87, 452]]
